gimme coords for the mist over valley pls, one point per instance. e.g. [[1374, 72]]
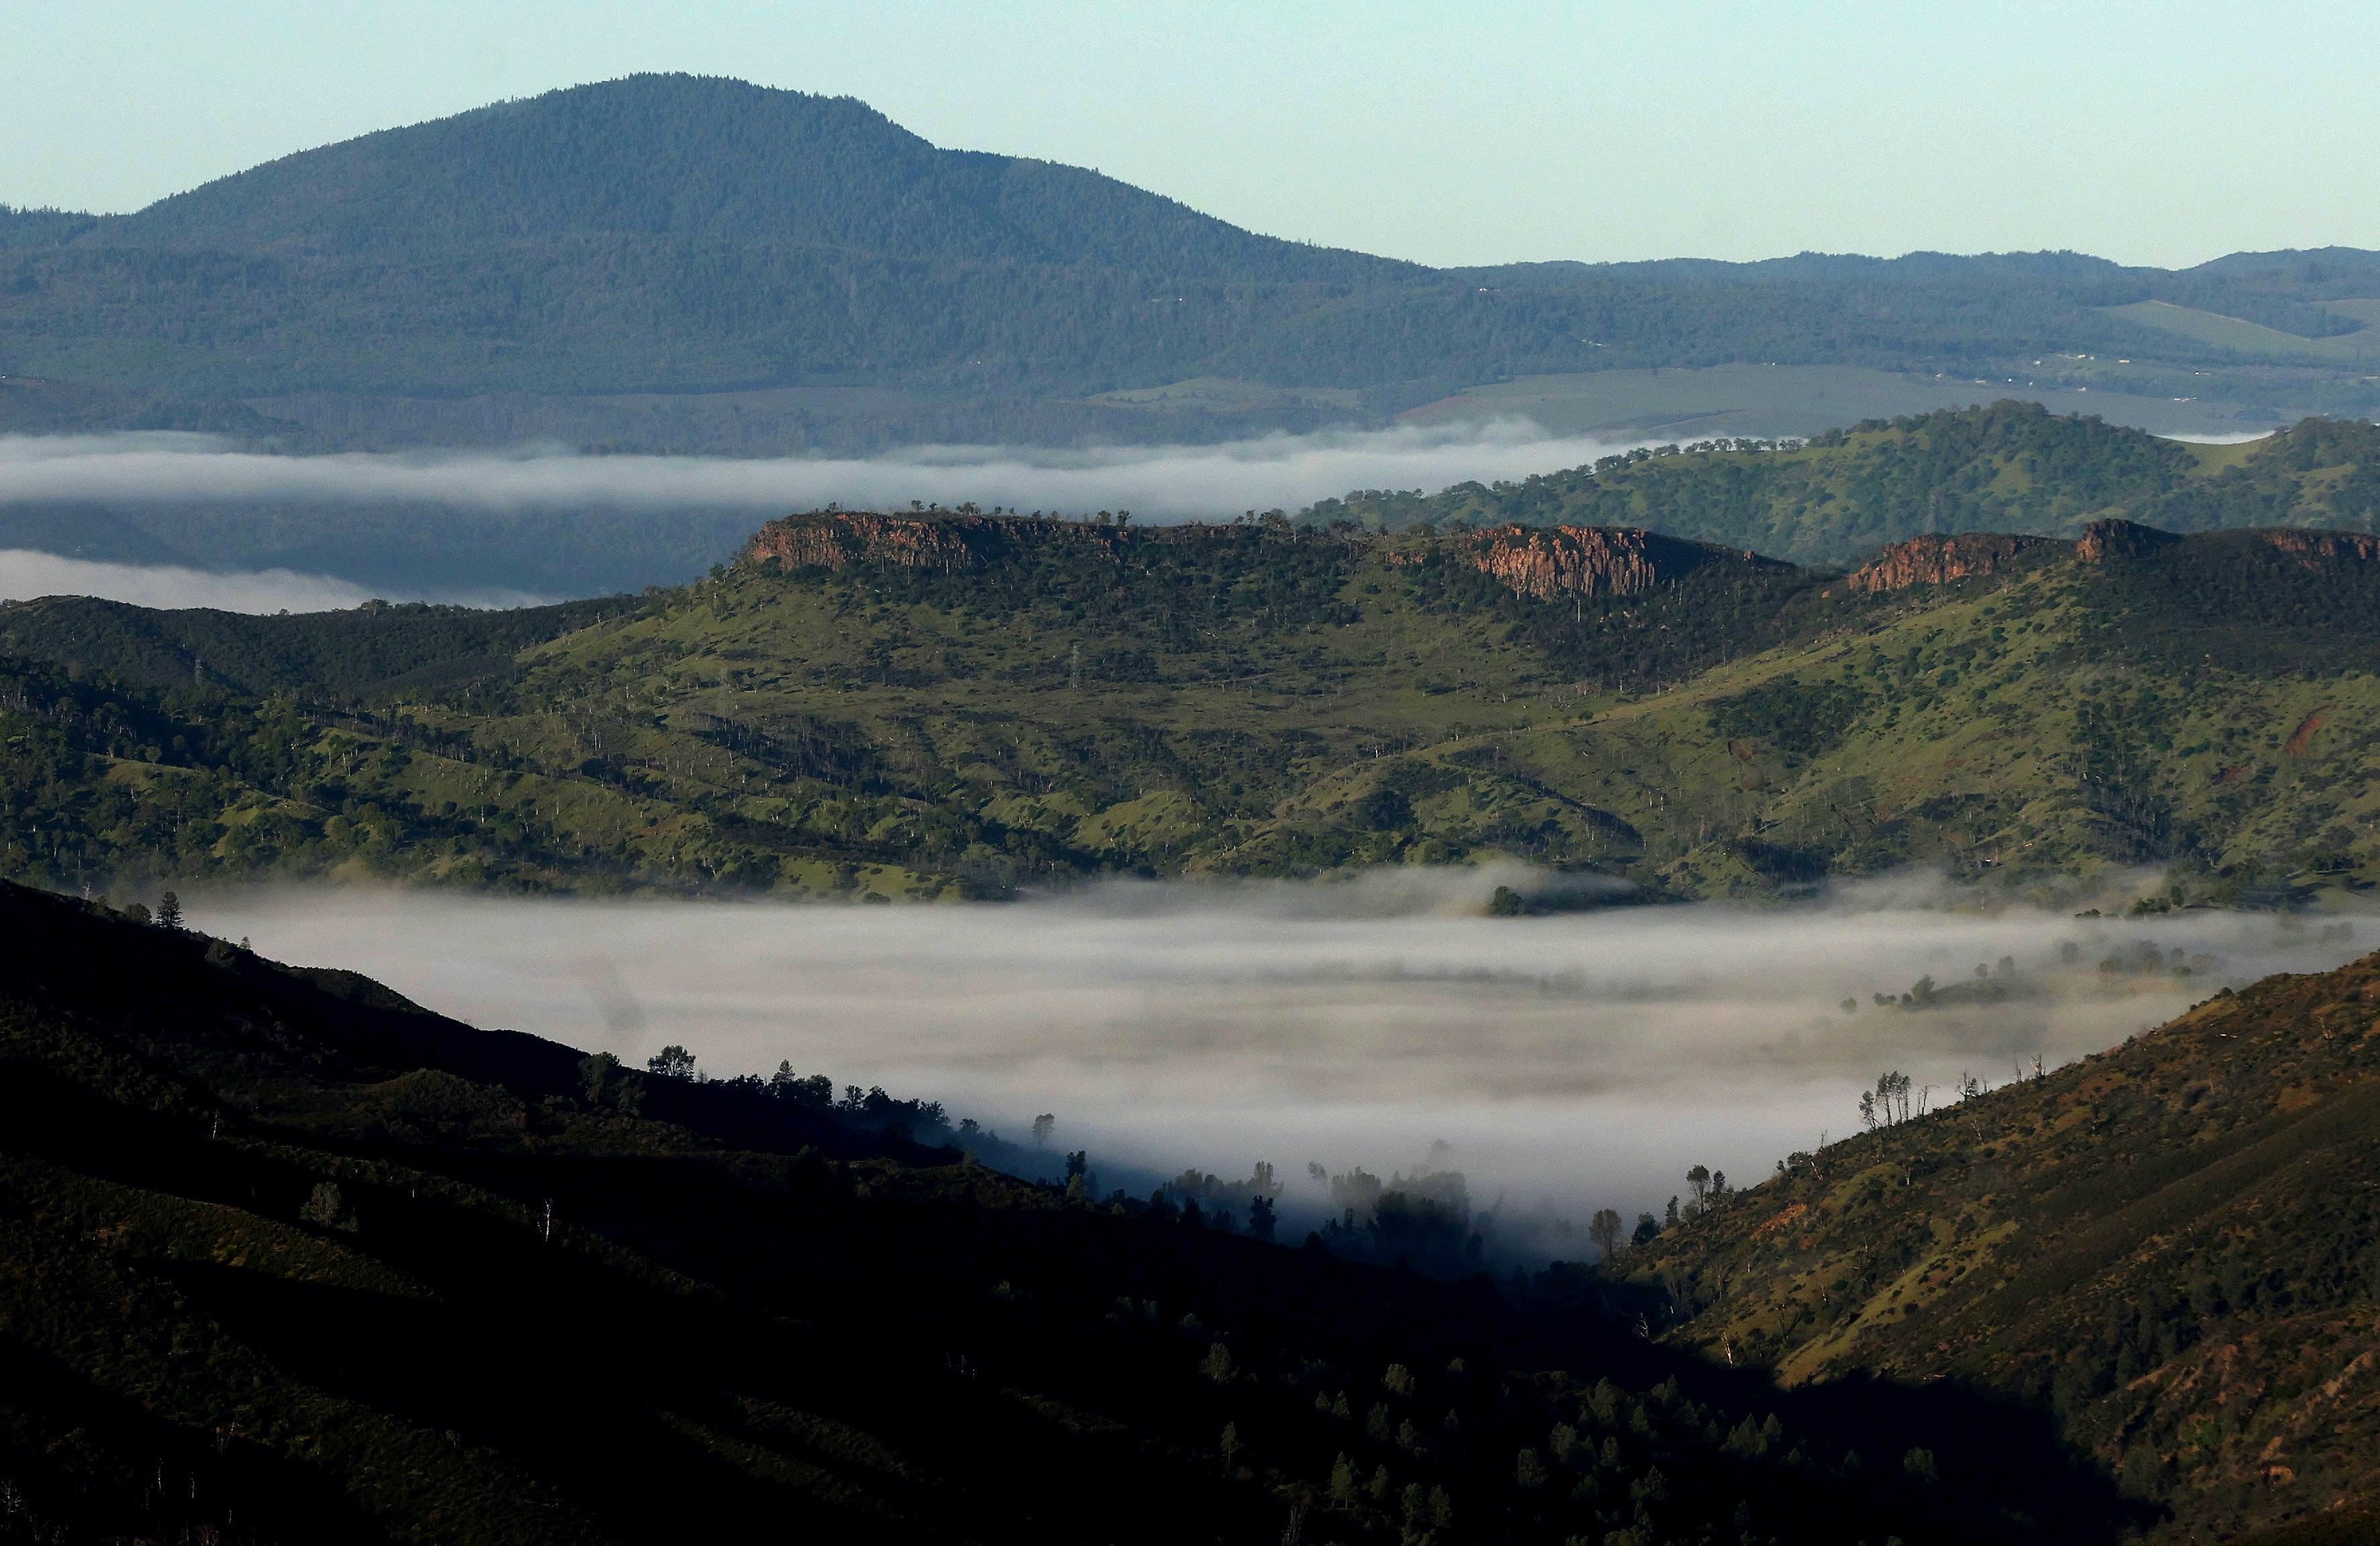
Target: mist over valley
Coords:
[[716, 822], [1560, 1063]]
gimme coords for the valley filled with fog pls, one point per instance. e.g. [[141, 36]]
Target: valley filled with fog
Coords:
[[1560, 1064]]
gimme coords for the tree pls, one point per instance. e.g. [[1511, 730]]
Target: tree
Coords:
[[1041, 1125], [1648, 1229], [595, 1072], [1343, 1482], [671, 1061], [169, 911], [1698, 1183], [1230, 1442], [1261, 1221], [1604, 1230]]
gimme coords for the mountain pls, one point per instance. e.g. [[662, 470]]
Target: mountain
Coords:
[[2170, 1246], [2012, 466], [948, 703], [535, 268], [285, 1258], [715, 162]]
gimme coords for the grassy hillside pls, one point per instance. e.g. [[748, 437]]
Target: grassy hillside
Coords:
[[284, 1258], [946, 705], [2012, 466], [2172, 1246]]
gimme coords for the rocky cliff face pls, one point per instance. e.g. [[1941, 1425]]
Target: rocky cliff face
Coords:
[[2103, 540], [1938, 560], [1546, 562], [2321, 550], [835, 541]]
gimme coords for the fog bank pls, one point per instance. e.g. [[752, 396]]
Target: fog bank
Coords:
[[1572, 1061], [1160, 483], [25, 575]]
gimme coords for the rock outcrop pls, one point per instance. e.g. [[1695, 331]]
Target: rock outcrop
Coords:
[[834, 540], [2103, 540], [1546, 562], [2321, 550], [1938, 560]]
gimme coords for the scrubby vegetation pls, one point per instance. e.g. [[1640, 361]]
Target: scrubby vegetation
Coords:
[[1062, 698], [2012, 466], [2170, 1246]]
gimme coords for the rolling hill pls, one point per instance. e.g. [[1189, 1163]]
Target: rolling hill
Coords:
[[2171, 1246], [285, 1257], [956, 705], [537, 267], [2012, 467]]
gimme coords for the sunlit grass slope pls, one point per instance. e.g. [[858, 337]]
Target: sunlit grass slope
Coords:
[[882, 709], [2171, 1246]]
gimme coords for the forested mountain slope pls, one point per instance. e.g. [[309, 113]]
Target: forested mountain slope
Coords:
[[2012, 467], [284, 1258], [924, 705], [2173, 1247], [681, 235]]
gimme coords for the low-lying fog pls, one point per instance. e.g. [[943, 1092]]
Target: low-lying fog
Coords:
[[1158, 481], [1561, 1063]]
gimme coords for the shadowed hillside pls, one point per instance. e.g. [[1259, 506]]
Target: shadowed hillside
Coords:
[[285, 1257]]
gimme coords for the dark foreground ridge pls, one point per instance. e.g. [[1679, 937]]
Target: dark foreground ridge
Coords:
[[285, 1258]]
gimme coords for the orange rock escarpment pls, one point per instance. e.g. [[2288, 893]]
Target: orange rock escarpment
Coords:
[[1546, 561], [835, 540], [2103, 540], [2322, 549], [1938, 560]]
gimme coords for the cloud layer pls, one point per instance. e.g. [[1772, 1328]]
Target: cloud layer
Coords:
[[1572, 1061], [25, 575], [1160, 482]]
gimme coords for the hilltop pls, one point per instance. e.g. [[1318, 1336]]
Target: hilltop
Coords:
[[283, 1257], [672, 263], [945, 704], [2170, 1245], [2012, 466]]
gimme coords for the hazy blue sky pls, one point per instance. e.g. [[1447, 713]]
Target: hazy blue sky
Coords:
[[1465, 132]]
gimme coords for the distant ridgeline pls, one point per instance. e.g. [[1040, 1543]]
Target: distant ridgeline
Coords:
[[2012, 466], [895, 706], [589, 263]]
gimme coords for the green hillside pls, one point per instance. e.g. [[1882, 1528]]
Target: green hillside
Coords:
[[284, 1258], [2171, 1246], [951, 705], [2012, 466]]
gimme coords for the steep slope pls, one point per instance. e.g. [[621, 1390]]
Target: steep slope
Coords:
[[921, 705], [285, 1258], [2009, 467], [2172, 1246]]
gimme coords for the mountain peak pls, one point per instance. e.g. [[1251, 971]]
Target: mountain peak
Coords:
[[709, 161]]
